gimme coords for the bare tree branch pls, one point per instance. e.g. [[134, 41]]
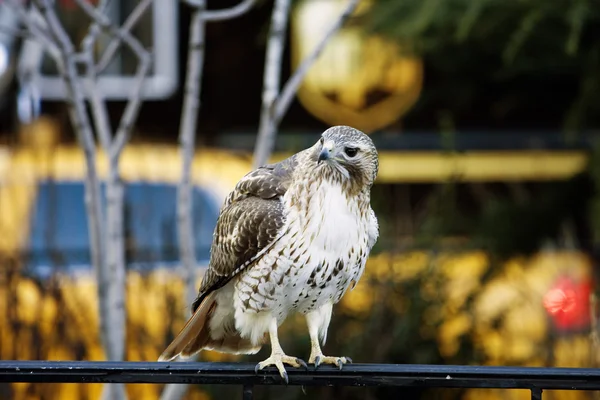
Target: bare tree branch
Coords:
[[20, 33], [114, 188], [97, 101], [268, 127], [120, 33], [35, 25], [187, 138], [107, 251], [109, 285], [284, 100], [132, 109], [223, 15], [115, 147], [276, 104], [189, 116], [114, 44], [82, 126]]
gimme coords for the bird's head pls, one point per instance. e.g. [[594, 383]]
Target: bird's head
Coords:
[[348, 154]]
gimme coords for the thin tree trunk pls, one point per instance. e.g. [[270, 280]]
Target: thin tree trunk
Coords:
[[275, 105], [275, 46], [187, 136], [187, 131], [187, 145], [291, 86], [115, 263], [115, 193], [81, 124], [110, 269]]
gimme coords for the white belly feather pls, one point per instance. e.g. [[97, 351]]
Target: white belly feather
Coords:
[[323, 251]]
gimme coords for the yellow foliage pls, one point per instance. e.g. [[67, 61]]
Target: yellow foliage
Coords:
[[28, 301], [495, 299], [519, 349], [497, 394], [528, 321], [359, 301], [66, 318], [492, 345], [409, 265], [450, 331], [506, 319], [573, 352], [466, 265]]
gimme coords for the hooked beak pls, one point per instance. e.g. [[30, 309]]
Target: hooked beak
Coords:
[[323, 156], [325, 151]]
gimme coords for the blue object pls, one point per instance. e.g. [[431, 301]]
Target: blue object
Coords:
[[59, 239]]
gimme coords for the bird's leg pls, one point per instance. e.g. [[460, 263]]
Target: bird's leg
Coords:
[[278, 357], [313, 320]]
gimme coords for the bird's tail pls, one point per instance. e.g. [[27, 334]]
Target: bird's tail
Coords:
[[196, 336]]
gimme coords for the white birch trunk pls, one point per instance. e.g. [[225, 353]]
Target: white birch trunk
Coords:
[[291, 86], [106, 236], [275, 105], [114, 299], [187, 145], [267, 128], [81, 124]]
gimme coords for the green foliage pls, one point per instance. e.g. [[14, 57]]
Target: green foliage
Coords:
[[479, 43], [508, 227], [504, 26], [594, 205], [444, 219]]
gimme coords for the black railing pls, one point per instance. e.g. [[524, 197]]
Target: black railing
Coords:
[[432, 376]]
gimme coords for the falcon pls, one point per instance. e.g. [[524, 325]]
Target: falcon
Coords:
[[291, 237]]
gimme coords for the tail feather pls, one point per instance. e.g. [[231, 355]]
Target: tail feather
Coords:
[[192, 332], [231, 343], [196, 334]]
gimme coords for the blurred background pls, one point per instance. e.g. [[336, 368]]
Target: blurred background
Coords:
[[486, 117]]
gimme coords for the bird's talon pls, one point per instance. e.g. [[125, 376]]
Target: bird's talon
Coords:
[[277, 360], [317, 361], [337, 361], [284, 375], [302, 363]]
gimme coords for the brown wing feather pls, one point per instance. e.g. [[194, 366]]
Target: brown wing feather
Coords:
[[249, 223], [266, 182]]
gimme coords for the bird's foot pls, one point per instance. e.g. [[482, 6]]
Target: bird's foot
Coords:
[[277, 360], [321, 359]]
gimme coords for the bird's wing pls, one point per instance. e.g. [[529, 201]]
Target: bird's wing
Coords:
[[249, 224]]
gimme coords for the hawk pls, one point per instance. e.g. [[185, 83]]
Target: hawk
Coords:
[[291, 237]]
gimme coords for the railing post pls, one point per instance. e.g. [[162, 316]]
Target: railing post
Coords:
[[247, 392], [536, 394]]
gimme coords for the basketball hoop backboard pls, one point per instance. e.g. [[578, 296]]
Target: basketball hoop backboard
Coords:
[[156, 30]]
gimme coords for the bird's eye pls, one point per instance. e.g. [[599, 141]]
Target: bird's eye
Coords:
[[351, 151]]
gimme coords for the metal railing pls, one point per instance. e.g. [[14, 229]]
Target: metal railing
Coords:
[[381, 375]]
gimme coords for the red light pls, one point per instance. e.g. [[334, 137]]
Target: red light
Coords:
[[559, 300], [568, 304]]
